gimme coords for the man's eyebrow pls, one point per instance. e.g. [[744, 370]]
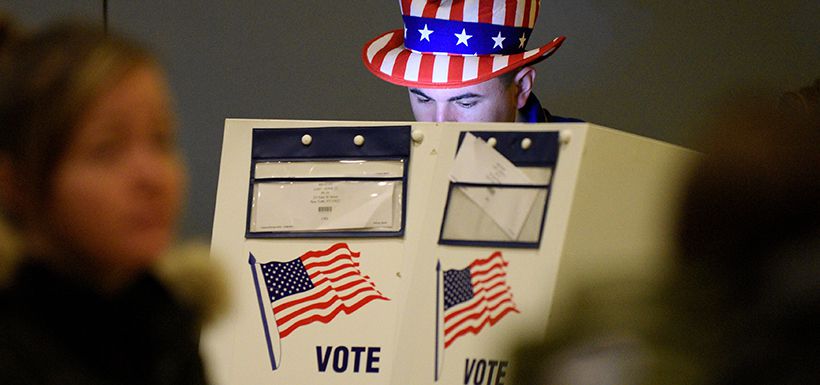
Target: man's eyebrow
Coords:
[[419, 93], [464, 96], [453, 99]]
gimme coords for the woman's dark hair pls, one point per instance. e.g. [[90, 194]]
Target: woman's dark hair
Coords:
[[48, 81]]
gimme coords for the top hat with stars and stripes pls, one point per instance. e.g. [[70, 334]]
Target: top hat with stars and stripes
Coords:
[[456, 43]]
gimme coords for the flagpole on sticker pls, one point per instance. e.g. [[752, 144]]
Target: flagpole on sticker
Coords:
[[268, 325], [439, 348]]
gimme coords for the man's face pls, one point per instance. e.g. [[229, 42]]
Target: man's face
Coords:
[[491, 101]]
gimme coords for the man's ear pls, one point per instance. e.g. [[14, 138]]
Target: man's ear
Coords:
[[524, 81]]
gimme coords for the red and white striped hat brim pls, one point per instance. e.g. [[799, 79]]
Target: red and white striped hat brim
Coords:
[[390, 59]]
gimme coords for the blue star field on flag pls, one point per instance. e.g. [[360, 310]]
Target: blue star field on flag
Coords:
[[286, 278], [457, 287]]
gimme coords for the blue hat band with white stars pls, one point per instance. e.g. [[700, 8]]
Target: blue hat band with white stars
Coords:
[[464, 38]]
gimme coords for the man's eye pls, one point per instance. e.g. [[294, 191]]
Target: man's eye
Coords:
[[423, 100], [467, 104]]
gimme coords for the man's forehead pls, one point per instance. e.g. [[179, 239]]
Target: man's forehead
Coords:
[[476, 90]]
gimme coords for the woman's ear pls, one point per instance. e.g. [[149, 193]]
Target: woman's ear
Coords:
[[524, 81]]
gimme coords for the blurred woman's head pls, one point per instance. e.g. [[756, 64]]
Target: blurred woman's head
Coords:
[[88, 164]]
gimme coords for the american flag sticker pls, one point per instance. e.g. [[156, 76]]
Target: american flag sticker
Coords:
[[475, 297], [315, 287]]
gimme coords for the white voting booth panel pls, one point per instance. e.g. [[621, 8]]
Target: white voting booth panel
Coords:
[[608, 211]]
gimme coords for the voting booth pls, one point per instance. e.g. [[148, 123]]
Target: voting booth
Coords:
[[417, 253]]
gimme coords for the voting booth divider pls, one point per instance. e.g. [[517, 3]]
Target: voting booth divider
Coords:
[[419, 253]]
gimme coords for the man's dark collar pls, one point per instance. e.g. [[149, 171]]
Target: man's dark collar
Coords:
[[533, 112]]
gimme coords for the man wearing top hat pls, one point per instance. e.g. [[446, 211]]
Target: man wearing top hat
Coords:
[[465, 60]]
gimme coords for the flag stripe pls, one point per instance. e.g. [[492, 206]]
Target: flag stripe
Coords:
[[376, 49], [316, 287], [279, 309], [500, 62], [470, 68], [531, 53], [411, 73], [401, 63], [417, 7], [327, 292], [343, 269], [484, 305], [527, 6], [341, 277], [485, 11], [487, 266], [405, 7], [457, 10], [485, 63], [341, 266], [440, 68], [487, 298], [502, 12], [430, 9], [471, 11], [388, 60], [325, 299], [339, 284], [516, 57], [330, 250], [443, 13], [426, 68], [534, 12], [328, 317], [486, 309], [343, 260], [327, 287], [476, 329], [519, 13], [484, 300], [456, 68], [509, 17], [313, 305], [328, 304]]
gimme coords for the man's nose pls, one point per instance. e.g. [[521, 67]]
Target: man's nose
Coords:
[[444, 114]]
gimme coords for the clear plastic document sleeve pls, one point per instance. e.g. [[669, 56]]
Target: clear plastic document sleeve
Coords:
[[499, 189], [335, 188]]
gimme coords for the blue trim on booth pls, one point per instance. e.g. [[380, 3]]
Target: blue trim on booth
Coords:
[[543, 151]]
